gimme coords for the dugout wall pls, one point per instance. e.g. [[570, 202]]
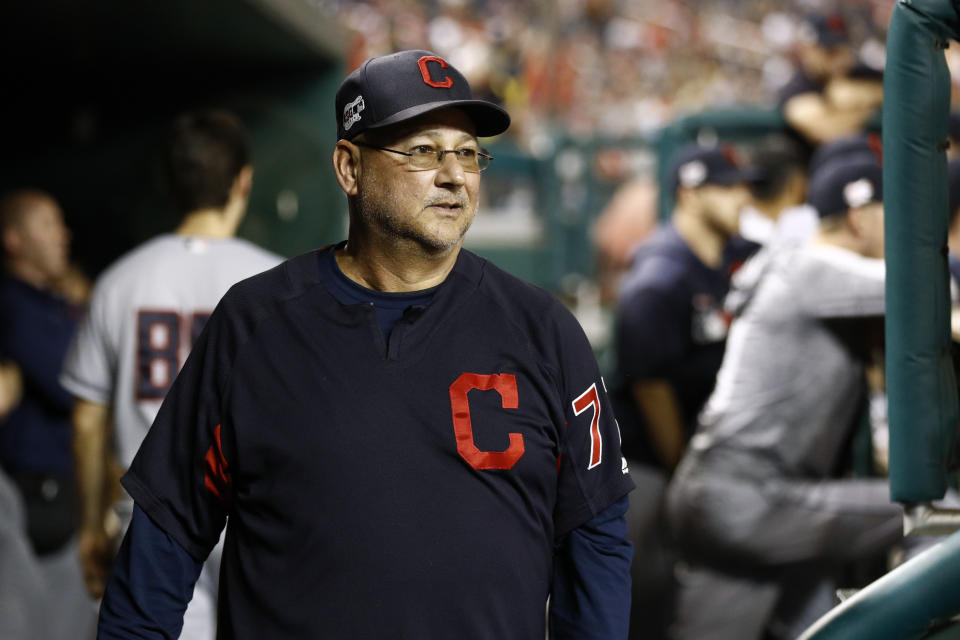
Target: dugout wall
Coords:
[[90, 89]]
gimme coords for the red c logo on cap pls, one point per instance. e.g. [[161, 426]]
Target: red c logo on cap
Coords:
[[425, 72]]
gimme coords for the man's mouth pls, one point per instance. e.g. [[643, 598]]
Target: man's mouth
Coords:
[[449, 206]]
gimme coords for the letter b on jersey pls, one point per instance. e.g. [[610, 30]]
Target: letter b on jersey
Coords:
[[506, 385]]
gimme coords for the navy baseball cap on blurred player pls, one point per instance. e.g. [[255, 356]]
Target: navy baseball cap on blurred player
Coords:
[[826, 29], [394, 88], [868, 144], [694, 166], [846, 183]]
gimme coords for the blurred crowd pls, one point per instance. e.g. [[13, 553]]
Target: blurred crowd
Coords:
[[606, 67]]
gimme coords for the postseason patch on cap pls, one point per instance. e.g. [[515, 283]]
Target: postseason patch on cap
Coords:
[[692, 174], [351, 113], [846, 183], [858, 193]]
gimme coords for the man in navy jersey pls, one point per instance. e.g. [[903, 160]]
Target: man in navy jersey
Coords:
[[408, 442], [670, 332]]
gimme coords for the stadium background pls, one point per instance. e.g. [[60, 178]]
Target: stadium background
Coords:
[[597, 89]]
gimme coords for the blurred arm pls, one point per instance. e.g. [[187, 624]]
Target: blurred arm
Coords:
[[90, 428], [820, 120], [663, 418]]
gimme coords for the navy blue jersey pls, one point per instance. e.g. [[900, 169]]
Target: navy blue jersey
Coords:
[[670, 326], [35, 331], [412, 486]]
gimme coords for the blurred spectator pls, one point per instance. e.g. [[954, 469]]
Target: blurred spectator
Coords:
[[146, 311], [755, 504], [35, 442], [669, 338], [830, 95]]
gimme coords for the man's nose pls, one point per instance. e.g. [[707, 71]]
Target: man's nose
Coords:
[[450, 170]]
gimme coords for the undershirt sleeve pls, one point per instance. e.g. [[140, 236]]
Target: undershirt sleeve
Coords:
[[150, 585], [590, 593]]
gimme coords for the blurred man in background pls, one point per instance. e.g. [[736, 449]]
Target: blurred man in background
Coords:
[[670, 333], [778, 213], [36, 326], [147, 309], [754, 504], [670, 327]]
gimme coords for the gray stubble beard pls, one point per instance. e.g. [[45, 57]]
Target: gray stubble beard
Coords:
[[380, 219]]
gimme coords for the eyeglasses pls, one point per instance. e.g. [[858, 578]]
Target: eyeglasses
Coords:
[[426, 157]]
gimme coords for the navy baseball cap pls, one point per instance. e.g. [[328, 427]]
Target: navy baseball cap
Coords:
[[846, 183], [694, 166], [868, 144], [827, 29], [394, 88]]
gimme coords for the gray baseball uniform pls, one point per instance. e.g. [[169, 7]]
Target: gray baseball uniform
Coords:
[[146, 311], [753, 490]]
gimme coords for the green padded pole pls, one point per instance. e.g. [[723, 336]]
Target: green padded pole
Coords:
[[901, 605], [920, 381]]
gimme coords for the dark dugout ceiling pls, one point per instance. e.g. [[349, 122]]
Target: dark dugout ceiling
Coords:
[[62, 38]]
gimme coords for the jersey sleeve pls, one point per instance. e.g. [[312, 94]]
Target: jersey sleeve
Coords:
[[181, 476], [841, 284], [592, 471], [89, 367]]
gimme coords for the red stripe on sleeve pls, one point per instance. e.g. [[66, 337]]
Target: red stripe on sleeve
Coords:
[[217, 475]]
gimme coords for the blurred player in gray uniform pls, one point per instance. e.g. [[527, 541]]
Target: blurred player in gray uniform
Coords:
[[754, 503], [146, 311]]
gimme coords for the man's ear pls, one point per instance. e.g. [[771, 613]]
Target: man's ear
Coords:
[[10, 240], [243, 183], [346, 166]]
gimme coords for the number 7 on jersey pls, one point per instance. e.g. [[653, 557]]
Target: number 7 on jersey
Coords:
[[587, 399]]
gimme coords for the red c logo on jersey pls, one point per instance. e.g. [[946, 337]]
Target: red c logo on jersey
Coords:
[[447, 81], [506, 385]]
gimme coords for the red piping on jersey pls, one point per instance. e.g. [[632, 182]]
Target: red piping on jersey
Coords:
[[217, 475]]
